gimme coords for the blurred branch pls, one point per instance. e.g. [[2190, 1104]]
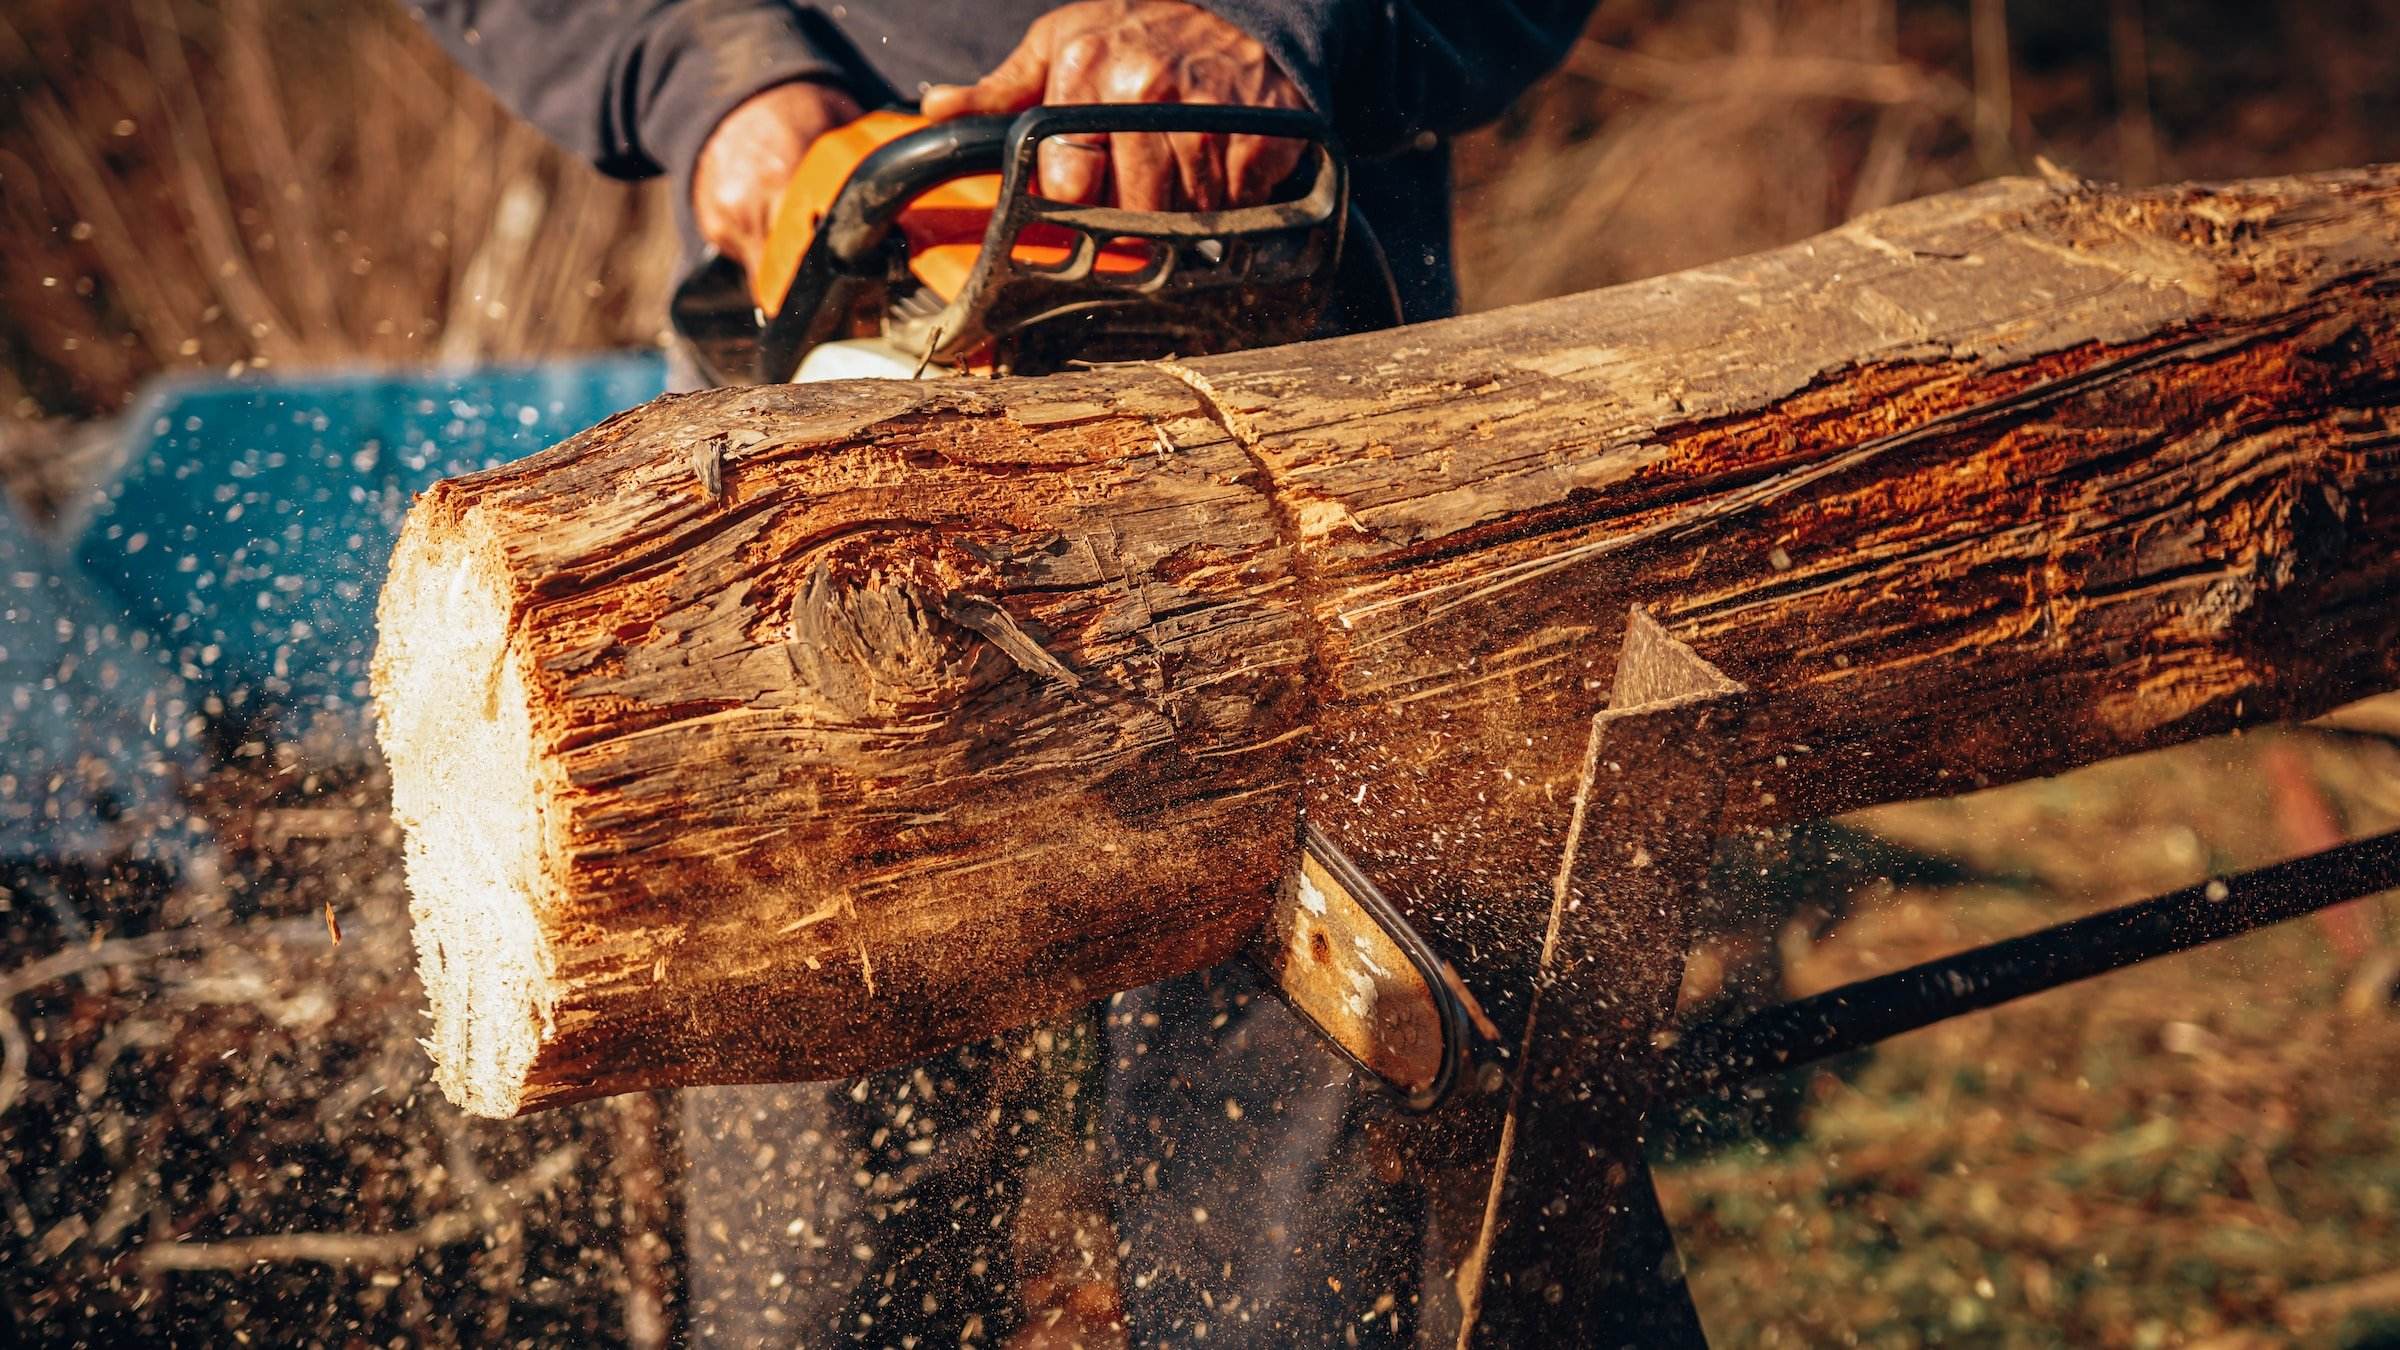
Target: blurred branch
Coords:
[[2129, 55], [1768, 78], [643, 1216], [106, 952], [1885, 165], [15, 1053], [2316, 1308], [1995, 112]]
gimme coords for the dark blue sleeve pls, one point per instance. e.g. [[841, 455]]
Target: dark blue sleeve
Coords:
[[1389, 71], [633, 86]]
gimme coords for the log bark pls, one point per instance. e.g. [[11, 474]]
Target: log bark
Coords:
[[779, 733]]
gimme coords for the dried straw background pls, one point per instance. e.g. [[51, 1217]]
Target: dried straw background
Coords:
[[276, 183], [217, 183]]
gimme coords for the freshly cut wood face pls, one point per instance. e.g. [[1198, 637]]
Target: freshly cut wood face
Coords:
[[472, 819]]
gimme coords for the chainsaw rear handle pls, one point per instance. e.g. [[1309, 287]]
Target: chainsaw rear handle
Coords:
[[735, 342], [848, 259], [864, 214]]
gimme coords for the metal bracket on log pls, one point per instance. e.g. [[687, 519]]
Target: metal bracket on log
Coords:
[[1572, 1249]]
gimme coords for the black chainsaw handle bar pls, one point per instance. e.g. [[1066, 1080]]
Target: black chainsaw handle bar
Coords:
[[864, 213], [898, 172]]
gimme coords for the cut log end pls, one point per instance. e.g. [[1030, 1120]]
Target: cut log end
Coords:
[[794, 784], [454, 718]]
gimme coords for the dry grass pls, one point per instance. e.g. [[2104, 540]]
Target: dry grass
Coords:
[[2199, 1151], [1682, 133], [271, 183]]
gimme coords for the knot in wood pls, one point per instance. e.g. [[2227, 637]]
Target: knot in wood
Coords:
[[869, 636]]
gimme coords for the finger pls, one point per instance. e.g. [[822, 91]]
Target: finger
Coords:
[[1013, 86], [737, 229], [1254, 165], [1072, 168], [1144, 169], [1200, 169]]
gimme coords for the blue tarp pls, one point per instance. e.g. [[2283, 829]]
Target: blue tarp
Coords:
[[250, 529], [93, 721]]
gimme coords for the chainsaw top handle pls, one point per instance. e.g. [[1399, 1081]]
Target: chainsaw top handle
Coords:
[[1199, 281], [864, 215], [886, 181]]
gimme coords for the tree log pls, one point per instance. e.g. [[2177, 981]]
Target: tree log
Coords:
[[779, 733]]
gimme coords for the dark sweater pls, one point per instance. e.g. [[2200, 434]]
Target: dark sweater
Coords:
[[635, 86]]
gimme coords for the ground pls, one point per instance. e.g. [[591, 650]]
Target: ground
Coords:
[[2199, 1151]]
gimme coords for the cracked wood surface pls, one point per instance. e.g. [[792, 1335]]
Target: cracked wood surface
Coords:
[[864, 719]]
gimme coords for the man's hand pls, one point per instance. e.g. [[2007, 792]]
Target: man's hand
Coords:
[[754, 151], [1140, 51]]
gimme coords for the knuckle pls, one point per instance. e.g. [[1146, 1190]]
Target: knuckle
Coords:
[[1081, 52], [1207, 70], [1140, 79]]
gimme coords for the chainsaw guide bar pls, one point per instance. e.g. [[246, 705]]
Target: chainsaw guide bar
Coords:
[[1347, 961]]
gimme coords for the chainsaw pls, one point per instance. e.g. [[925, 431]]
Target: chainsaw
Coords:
[[902, 248]]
